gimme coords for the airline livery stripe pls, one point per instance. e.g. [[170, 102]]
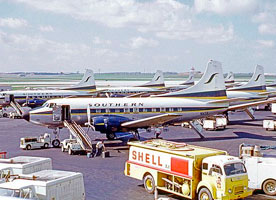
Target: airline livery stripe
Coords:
[[210, 94], [128, 111], [257, 88], [81, 88]]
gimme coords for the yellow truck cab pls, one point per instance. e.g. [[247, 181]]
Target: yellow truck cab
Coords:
[[186, 170]]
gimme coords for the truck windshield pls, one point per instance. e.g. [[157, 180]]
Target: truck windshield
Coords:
[[9, 193], [234, 168], [25, 193]]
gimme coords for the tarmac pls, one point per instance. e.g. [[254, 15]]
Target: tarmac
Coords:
[[104, 177]]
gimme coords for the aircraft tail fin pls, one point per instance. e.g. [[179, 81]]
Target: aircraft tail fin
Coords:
[[210, 86], [87, 82], [255, 84], [191, 79], [230, 78], [156, 81]]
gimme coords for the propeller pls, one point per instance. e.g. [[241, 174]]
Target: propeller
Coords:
[[89, 120]]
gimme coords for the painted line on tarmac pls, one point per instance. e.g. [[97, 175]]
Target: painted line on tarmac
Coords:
[[270, 197]]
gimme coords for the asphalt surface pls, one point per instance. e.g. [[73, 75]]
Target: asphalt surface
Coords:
[[104, 178]]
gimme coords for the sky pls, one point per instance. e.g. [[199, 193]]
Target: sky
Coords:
[[136, 35]]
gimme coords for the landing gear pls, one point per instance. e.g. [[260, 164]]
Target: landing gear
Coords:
[[136, 135], [56, 141], [111, 136]]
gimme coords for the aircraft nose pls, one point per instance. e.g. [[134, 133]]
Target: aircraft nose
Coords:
[[26, 116]]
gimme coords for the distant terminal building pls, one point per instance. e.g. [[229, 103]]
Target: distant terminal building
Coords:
[[5, 88]]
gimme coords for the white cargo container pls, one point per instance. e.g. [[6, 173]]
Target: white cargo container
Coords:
[[273, 108], [25, 164], [45, 185], [214, 123], [269, 124]]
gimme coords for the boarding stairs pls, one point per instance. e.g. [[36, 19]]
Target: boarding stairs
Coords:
[[79, 133], [17, 107]]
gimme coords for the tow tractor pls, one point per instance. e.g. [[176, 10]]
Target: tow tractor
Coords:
[[29, 143], [260, 169], [71, 146], [188, 171]]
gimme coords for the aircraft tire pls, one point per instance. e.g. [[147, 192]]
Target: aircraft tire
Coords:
[[111, 136]]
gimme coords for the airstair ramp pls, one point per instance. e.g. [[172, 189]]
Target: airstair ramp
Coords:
[[16, 107], [79, 133]]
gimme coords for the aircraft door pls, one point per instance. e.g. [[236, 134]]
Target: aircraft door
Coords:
[[9, 98], [66, 113], [57, 113]]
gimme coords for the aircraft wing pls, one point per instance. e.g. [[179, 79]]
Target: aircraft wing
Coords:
[[142, 94], [136, 95], [150, 121], [267, 93], [227, 100], [246, 105]]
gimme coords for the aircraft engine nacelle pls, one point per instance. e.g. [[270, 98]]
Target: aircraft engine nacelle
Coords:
[[109, 123], [35, 102]]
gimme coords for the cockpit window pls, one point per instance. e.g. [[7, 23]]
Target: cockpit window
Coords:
[[45, 104], [52, 105]]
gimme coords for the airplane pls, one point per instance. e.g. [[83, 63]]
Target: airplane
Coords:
[[253, 90], [189, 82], [152, 87], [34, 98], [113, 115], [191, 79], [229, 78]]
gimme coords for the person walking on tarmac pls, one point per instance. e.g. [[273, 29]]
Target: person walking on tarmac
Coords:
[[99, 148], [157, 132]]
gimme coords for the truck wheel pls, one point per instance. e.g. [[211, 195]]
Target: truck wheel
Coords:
[[62, 148], [269, 187], [46, 146], [5, 115], [149, 183], [56, 143], [111, 136], [28, 147], [204, 194], [70, 152]]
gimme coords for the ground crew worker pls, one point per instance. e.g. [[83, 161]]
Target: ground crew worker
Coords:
[[99, 148], [157, 132]]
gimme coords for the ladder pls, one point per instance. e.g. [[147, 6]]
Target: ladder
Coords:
[[77, 131], [16, 107]]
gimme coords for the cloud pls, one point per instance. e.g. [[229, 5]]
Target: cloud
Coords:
[[97, 40], [266, 19], [37, 53], [13, 22], [140, 42], [168, 19], [267, 29], [47, 28], [216, 34], [266, 43], [225, 7], [21, 42]]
